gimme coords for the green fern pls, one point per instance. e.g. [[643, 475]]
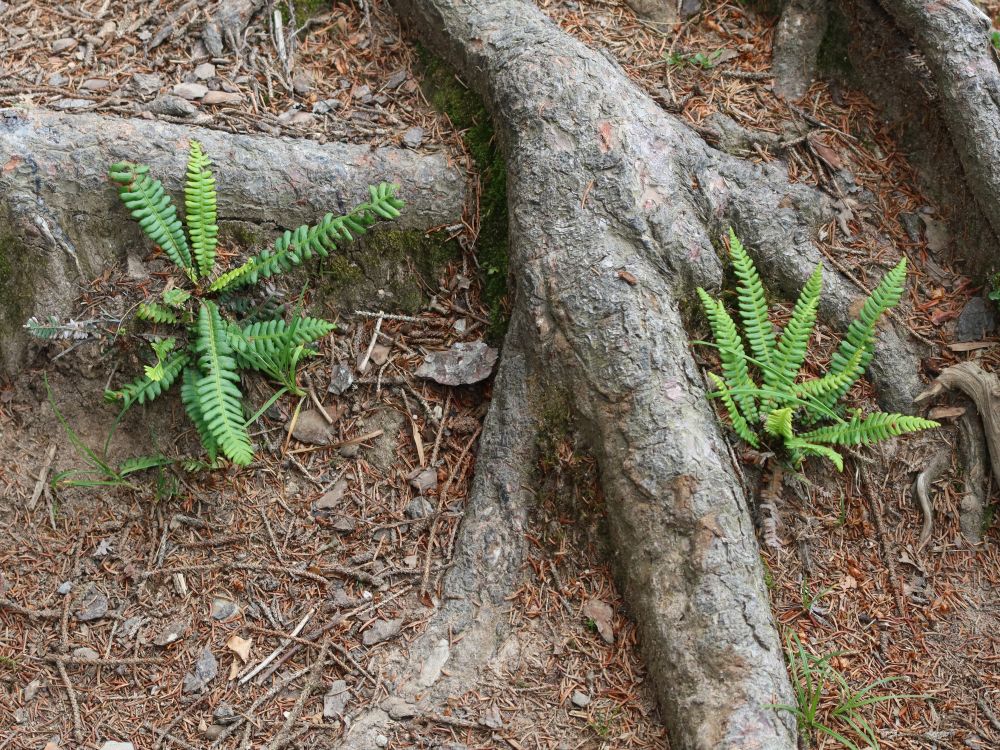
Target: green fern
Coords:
[[292, 248], [781, 401], [211, 350], [199, 207], [218, 390], [152, 208]]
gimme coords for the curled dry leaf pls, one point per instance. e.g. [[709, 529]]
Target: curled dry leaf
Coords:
[[240, 646]]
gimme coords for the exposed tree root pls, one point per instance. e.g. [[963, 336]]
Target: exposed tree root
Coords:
[[67, 224], [797, 40], [922, 492], [984, 390], [972, 507]]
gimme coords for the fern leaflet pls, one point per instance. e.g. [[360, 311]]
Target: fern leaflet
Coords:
[[739, 423], [192, 404], [731, 353], [146, 389], [779, 423], [200, 208], [155, 313], [146, 200], [753, 310], [218, 389], [794, 341], [872, 429]]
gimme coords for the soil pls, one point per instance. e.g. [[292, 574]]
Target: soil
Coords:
[[847, 575]]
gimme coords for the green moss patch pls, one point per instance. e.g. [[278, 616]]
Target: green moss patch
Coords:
[[467, 113]]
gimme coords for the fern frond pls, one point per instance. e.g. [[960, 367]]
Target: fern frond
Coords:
[[861, 332], [145, 389], [819, 388], [269, 338], [218, 389], [798, 447], [293, 248], [146, 200], [192, 404], [176, 297], [161, 349], [779, 423], [155, 313], [200, 208], [731, 353], [872, 429], [739, 423], [753, 310], [794, 341]]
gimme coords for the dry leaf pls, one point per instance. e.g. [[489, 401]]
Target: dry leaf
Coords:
[[946, 412], [601, 614], [240, 646]]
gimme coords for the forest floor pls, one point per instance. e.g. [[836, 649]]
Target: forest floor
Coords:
[[150, 580]]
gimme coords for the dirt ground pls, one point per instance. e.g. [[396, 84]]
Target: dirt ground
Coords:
[[137, 585]]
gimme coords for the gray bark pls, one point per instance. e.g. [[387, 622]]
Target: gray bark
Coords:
[[797, 40], [61, 221]]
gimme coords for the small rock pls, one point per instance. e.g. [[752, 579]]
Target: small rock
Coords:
[[213, 732], [64, 588], [311, 427], [95, 84], [190, 90], [222, 97], [146, 83], [204, 71], [381, 630], [31, 690], [342, 599], [938, 237], [335, 701], [85, 653], [113, 745], [332, 498], [463, 364], [419, 507], [224, 714], [57, 79], [381, 740], [302, 84], [380, 354], [64, 45], [580, 700], [68, 104], [977, 320], [350, 450], [171, 105], [396, 79], [223, 609], [344, 524], [94, 605], [300, 119], [325, 106], [212, 39], [172, 632], [361, 92], [423, 480], [911, 223], [343, 378], [398, 709], [130, 627], [103, 548], [413, 137], [205, 670], [21, 716]]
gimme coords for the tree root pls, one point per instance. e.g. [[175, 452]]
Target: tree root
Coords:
[[796, 45], [67, 223], [922, 492], [972, 507], [984, 390]]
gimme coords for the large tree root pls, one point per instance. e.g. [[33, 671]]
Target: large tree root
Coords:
[[61, 222]]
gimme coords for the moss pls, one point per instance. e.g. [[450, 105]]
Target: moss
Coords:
[[833, 57], [16, 289], [304, 10], [467, 113], [387, 269]]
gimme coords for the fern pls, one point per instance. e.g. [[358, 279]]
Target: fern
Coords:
[[218, 390], [782, 401], [155, 313], [199, 205], [266, 339], [292, 248], [145, 389], [861, 332], [145, 198], [192, 404]]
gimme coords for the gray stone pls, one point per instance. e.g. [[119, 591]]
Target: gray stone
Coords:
[[580, 700], [419, 507], [911, 223], [146, 83], [332, 497], [70, 104], [423, 480], [95, 84], [396, 79], [398, 709], [302, 84], [381, 741], [350, 450], [93, 605], [204, 71], [434, 663], [31, 690], [312, 427], [413, 137], [85, 653], [114, 745], [342, 379], [64, 588], [344, 524], [212, 39], [381, 630], [171, 105], [222, 97], [335, 701], [64, 45], [172, 632], [223, 609], [57, 79], [463, 364], [190, 90], [978, 319], [205, 670]]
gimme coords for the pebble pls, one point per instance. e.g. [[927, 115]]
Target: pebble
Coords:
[[95, 84], [396, 78], [381, 741], [301, 84], [85, 653], [57, 79], [324, 106], [94, 606], [580, 700], [190, 90], [398, 709], [205, 670], [413, 137], [343, 378], [223, 609], [222, 97], [147, 83], [65, 104], [64, 45], [419, 507], [381, 630], [350, 450], [204, 71], [168, 104], [977, 320], [64, 588], [336, 699], [423, 479]]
